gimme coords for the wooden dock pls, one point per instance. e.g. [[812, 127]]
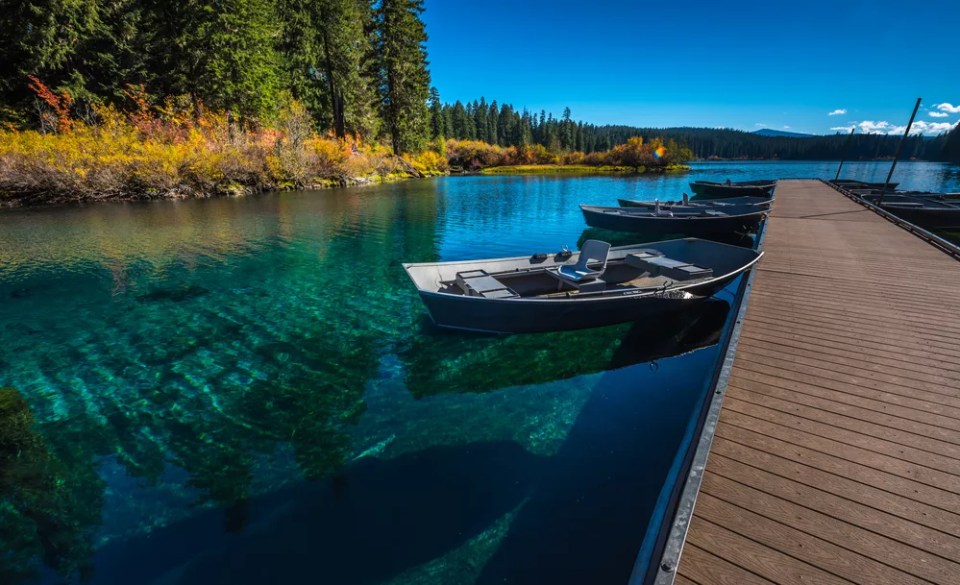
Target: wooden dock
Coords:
[[836, 458]]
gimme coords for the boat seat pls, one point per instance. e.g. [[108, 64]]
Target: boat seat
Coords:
[[580, 275], [668, 267], [477, 283]]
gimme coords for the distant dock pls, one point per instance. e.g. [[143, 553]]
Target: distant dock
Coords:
[[836, 458]]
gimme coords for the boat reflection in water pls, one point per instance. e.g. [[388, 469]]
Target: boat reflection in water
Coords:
[[445, 361], [744, 240]]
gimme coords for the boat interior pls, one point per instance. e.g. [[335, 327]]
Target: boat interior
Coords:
[[899, 200], [627, 270], [678, 212]]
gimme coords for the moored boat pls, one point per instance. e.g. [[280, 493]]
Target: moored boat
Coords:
[[709, 203], [854, 184], [712, 189], [696, 221], [953, 198], [924, 211], [537, 293]]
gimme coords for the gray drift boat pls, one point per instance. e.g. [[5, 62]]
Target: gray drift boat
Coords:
[[720, 204], [598, 286], [926, 212], [697, 221], [851, 184], [711, 189]]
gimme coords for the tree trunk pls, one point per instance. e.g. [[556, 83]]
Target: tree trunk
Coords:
[[336, 96]]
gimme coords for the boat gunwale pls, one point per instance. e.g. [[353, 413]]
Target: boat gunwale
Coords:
[[624, 212], [750, 183], [763, 202], [604, 295]]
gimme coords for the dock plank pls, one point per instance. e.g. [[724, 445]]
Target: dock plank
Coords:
[[837, 454], [707, 569]]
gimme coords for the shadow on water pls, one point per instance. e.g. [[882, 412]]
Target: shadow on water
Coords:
[[442, 361], [628, 238], [372, 521], [949, 235], [587, 519]]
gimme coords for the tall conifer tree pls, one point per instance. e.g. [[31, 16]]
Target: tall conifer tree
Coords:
[[223, 53], [42, 38], [404, 79], [437, 119]]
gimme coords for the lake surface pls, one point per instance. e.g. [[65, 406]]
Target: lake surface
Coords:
[[248, 391]]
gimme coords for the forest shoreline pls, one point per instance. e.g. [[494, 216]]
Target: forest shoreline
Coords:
[[140, 156], [235, 190]]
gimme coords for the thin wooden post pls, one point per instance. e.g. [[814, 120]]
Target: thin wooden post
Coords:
[[846, 150], [897, 154]]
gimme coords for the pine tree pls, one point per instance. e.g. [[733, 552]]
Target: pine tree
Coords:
[[458, 121], [404, 79], [437, 121], [506, 126], [471, 131], [493, 126], [525, 136], [351, 93], [222, 53], [115, 55], [567, 132], [42, 38], [951, 146], [300, 53], [480, 120]]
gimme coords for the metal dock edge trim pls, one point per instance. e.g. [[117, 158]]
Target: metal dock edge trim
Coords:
[[670, 558]]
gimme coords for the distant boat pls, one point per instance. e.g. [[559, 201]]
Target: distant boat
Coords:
[[854, 184], [925, 211], [709, 203], [952, 197], [712, 189], [695, 221], [535, 293]]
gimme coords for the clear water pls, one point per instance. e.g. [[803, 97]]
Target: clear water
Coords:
[[247, 391]]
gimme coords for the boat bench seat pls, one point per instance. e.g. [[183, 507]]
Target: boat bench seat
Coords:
[[668, 267], [477, 283]]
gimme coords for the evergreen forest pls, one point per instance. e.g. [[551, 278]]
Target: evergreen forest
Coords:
[[359, 68]]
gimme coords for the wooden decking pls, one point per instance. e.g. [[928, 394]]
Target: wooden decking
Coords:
[[837, 454]]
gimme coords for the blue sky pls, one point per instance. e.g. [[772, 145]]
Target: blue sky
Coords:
[[736, 64]]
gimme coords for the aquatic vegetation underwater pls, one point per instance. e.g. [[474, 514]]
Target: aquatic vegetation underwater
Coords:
[[209, 389], [49, 504]]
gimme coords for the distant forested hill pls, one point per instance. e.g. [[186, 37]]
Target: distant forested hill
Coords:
[[779, 133], [506, 126]]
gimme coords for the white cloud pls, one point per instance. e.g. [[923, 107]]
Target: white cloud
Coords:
[[922, 127], [871, 127], [938, 114], [884, 127], [786, 127], [838, 112], [760, 125], [948, 108]]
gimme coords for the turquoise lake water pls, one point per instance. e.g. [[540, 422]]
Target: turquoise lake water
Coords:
[[248, 391]]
